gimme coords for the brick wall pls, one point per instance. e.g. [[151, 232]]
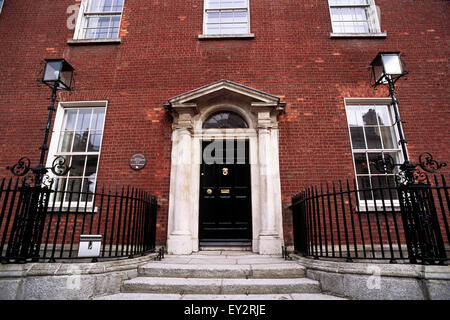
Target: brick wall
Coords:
[[161, 56]]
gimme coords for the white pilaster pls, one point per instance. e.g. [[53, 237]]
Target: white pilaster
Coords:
[[269, 237], [180, 236]]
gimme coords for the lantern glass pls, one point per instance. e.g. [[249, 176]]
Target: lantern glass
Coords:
[[58, 72], [385, 66], [392, 64], [66, 78], [378, 70], [52, 71]]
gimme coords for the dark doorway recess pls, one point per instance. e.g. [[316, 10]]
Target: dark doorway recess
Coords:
[[225, 196]]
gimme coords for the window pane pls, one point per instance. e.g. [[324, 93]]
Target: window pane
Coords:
[[77, 166], [240, 28], [227, 29], [360, 14], [102, 27], [213, 28], [73, 184], [80, 141], [240, 16], [226, 16], [354, 116], [364, 186], [376, 159], [225, 120], [361, 163], [362, 27], [213, 4], [357, 136], [373, 137], [60, 187], [65, 142], [88, 189], [336, 14], [348, 2], [95, 141], [384, 117], [347, 14], [395, 156], [105, 5], [382, 184], [91, 166], [369, 116], [98, 117], [388, 137], [84, 119], [115, 21], [213, 16], [70, 118], [226, 3], [240, 3], [338, 27]]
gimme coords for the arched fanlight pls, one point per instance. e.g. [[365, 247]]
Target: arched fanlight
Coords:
[[225, 120]]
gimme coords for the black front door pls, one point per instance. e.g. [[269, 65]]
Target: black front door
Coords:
[[225, 203]]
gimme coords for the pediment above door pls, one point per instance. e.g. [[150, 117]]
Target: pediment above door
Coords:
[[194, 105]]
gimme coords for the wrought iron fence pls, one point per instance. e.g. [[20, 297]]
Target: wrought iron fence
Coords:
[[399, 223], [43, 223]]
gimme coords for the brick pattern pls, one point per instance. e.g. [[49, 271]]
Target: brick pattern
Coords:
[[161, 56]]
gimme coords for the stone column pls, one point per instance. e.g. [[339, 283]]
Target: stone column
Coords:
[[269, 238], [180, 238]]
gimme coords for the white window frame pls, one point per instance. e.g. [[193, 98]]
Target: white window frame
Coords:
[[373, 20], [206, 35], [1, 5], [82, 22], [54, 143], [374, 205]]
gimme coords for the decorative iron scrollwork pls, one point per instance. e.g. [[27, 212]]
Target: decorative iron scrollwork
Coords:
[[60, 166], [409, 172], [427, 163], [47, 181], [21, 168]]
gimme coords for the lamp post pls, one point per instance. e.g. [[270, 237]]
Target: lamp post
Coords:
[[29, 220], [58, 75], [418, 212], [387, 69]]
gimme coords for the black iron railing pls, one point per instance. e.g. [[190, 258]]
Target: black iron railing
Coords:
[[405, 223], [40, 223]]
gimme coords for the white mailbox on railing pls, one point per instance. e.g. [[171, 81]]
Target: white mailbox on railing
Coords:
[[89, 245]]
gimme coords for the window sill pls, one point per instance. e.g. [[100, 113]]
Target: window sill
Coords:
[[378, 209], [82, 208], [94, 41], [226, 36], [358, 35]]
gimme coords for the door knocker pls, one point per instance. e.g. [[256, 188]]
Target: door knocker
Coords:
[[225, 171]]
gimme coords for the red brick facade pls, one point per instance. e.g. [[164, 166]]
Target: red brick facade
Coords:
[[160, 56]]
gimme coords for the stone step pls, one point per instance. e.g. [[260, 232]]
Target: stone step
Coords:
[[209, 297], [265, 271], [219, 286]]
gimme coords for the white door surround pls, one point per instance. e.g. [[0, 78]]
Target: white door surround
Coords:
[[189, 111]]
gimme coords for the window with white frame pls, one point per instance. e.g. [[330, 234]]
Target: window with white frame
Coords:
[[373, 138], [226, 17], [99, 19], [79, 141], [1, 5], [354, 16]]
